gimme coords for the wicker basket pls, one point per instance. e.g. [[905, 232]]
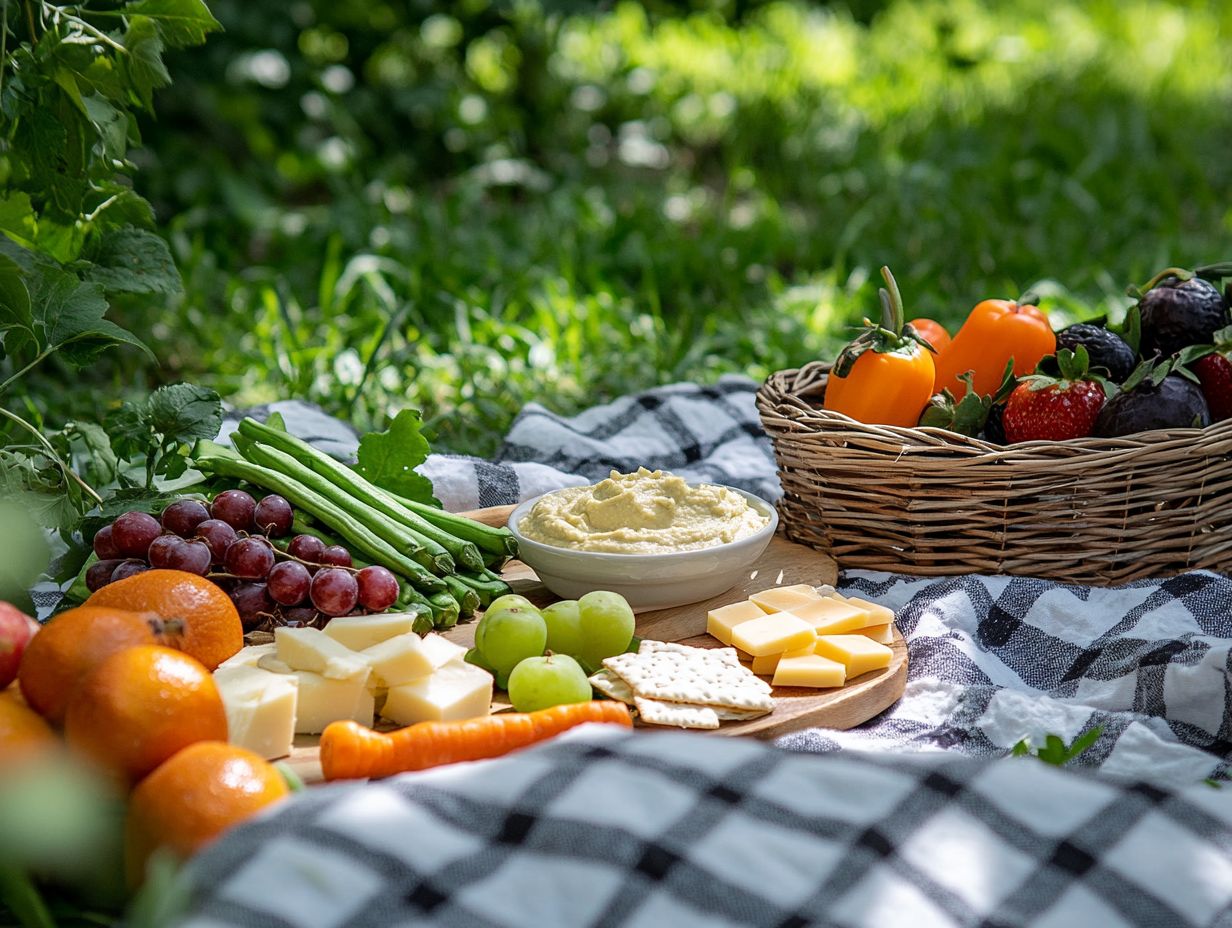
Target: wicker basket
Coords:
[[927, 501]]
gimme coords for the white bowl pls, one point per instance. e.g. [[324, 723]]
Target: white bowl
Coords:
[[647, 581]]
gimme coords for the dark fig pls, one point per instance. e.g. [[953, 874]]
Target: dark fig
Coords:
[[1175, 402], [1179, 309], [1104, 347]]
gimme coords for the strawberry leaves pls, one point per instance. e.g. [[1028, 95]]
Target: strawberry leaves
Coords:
[[966, 416]]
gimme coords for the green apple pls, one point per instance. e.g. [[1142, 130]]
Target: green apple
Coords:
[[564, 624], [542, 682], [607, 625]]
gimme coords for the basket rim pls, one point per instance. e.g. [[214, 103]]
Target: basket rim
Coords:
[[783, 402]]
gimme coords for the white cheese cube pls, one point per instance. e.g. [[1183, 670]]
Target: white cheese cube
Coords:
[[313, 650], [271, 663], [457, 690], [358, 632], [322, 701], [260, 707], [248, 656], [409, 657]]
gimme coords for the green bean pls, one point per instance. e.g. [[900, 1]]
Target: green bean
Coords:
[[357, 536], [492, 540], [362, 490], [468, 599], [487, 589], [445, 610]]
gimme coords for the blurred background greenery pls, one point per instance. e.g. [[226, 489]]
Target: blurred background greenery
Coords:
[[468, 206]]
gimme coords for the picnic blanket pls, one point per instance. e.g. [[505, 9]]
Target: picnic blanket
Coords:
[[917, 817]]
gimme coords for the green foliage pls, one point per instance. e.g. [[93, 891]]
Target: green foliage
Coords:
[[467, 207], [75, 234], [388, 458], [1055, 751]]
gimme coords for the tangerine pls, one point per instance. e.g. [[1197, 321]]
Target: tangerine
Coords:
[[71, 645], [23, 732], [142, 705], [198, 617], [194, 797]]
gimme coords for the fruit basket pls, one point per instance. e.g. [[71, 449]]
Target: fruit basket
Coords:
[[928, 501]]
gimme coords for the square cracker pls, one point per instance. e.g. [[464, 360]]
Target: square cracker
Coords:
[[678, 715], [611, 685], [723, 655], [687, 676]]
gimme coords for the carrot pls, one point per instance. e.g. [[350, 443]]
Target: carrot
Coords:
[[351, 751]]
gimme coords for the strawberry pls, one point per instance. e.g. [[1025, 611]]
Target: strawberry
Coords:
[[1055, 408], [1214, 371]]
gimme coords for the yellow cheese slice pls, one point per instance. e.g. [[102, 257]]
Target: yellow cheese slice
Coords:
[[721, 621], [832, 616], [858, 653], [782, 599], [882, 634], [809, 670], [805, 589], [773, 634], [768, 663], [457, 690], [358, 632], [878, 615]]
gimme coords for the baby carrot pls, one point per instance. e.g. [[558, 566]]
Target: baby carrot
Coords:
[[351, 751]]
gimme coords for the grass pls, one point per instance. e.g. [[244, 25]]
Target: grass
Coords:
[[466, 213]]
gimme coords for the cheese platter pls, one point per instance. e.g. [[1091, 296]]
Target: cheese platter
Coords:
[[783, 564]]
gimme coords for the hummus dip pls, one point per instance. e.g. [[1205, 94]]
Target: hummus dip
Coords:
[[649, 512]]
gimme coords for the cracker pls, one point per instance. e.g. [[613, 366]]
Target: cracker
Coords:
[[723, 655], [677, 715], [684, 676], [611, 685]]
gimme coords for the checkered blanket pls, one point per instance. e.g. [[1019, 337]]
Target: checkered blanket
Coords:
[[890, 825], [669, 830]]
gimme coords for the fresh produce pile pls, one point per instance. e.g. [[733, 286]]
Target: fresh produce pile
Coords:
[[543, 657], [1008, 377], [450, 564], [237, 543]]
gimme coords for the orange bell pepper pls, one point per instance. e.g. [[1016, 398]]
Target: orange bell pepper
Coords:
[[995, 332], [932, 332], [885, 376]]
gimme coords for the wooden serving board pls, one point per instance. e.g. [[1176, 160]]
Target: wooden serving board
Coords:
[[784, 563]]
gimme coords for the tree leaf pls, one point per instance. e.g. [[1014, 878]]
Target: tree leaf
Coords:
[[144, 61], [17, 218], [181, 22], [133, 260], [389, 458], [184, 412]]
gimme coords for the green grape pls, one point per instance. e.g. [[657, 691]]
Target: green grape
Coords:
[[607, 625], [509, 600], [506, 636], [564, 627], [543, 682]]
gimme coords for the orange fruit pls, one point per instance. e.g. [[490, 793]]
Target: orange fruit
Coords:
[[140, 706], [72, 644], [198, 617], [194, 797], [23, 732]]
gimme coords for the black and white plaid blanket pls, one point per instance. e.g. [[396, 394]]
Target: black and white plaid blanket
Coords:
[[891, 825]]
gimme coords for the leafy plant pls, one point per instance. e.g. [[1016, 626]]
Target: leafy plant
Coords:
[[1054, 749], [389, 458], [74, 235]]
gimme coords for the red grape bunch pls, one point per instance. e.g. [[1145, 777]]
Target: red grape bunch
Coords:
[[229, 542]]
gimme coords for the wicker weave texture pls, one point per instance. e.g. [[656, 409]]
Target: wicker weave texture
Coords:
[[1098, 511]]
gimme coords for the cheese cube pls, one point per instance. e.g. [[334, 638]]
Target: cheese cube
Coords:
[[358, 632], [831, 616], [804, 589], [768, 663], [809, 670], [782, 598], [721, 621], [882, 634], [261, 709], [311, 649], [409, 657], [247, 657], [773, 634], [322, 700], [879, 615], [271, 663], [457, 690], [858, 653]]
